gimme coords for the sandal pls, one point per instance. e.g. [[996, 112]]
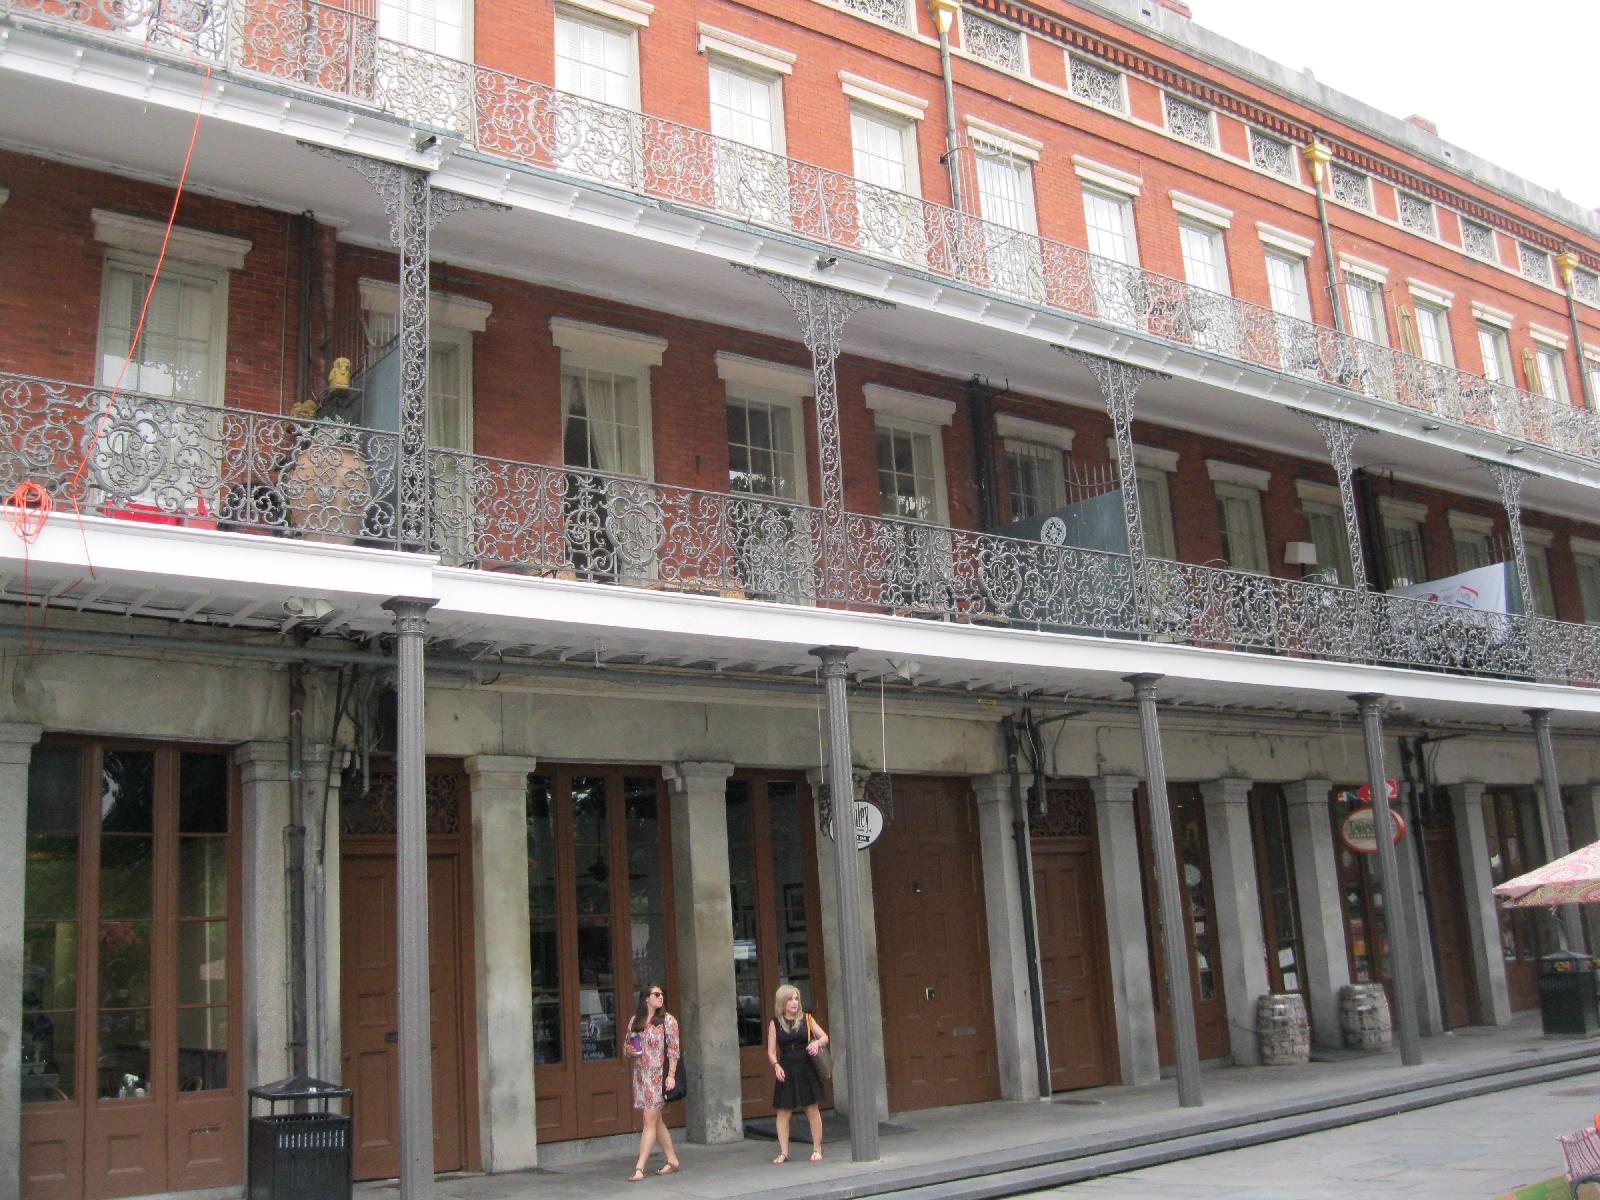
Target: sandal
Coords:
[[669, 1168], [816, 1156], [637, 1176], [780, 1160]]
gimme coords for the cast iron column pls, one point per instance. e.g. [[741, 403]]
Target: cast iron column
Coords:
[[1555, 820], [822, 312], [1340, 437], [1397, 904], [860, 1075], [1169, 890], [1509, 480], [411, 907]]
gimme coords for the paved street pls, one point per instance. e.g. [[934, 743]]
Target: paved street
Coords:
[[1467, 1150]]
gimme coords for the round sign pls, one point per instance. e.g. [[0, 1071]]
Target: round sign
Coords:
[[1053, 532], [869, 824], [1360, 833], [1364, 792]]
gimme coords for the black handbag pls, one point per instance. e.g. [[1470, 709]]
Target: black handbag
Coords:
[[680, 1087]]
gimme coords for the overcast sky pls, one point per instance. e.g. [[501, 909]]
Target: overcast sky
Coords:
[[1513, 83]]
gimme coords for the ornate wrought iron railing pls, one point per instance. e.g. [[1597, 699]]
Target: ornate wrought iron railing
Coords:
[[169, 461], [334, 48]]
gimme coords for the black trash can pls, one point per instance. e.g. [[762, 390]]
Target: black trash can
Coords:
[[1566, 993], [302, 1154]]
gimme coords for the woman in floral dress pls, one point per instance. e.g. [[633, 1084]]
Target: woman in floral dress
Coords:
[[653, 1045]]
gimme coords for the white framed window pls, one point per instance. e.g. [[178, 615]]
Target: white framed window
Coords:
[[910, 449], [1433, 334], [1586, 561], [1550, 371], [1038, 478], [1471, 535], [1364, 301], [746, 104], [1286, 284], [452, 320], [1005, 187], [182, 349], [1592, 366], [884, 147], [1155, 507], [438, 26], [1325, 529], [1244, 536], [1495, 349], [596, 59], [1536, 545], [1109, 217], [605, 397], [765, 424], [1402, 541], [1205, 258]]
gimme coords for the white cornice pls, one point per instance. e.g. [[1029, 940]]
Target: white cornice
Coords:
[[1318, 493], [1282, 239], [1429, 294], [1018, 144], [1021, 429], [1585, 546], [1201, 210], [1492, 316], [736, 46], [1538, 537], [618, 345], [756, 372], [451, 311], [143, 235], [1107, 177], [909, 406], [1157, 458], [1237, 474], [629, 12], [1549, 338], [1404, 510], [1357, 266], [1469, 522], [881, 95]]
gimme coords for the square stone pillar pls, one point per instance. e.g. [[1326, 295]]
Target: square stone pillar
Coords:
[[1477, 888], [1132, 988], [508, 1132], [828, 884], [708, 1003], [1240, 942], [16, 752], [264, 784], [1015, 1046], [1428, 1004], [1320, 904]]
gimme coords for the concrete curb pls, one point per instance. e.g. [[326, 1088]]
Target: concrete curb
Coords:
[[1031, 1168]]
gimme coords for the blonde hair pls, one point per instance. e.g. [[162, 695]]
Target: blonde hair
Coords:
[[786, 993]]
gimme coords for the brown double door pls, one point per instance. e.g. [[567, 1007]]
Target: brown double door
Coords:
[[369, 979], [1074, 965], [1448, 904], [1515, 834], [1199, 926], [933, 955]]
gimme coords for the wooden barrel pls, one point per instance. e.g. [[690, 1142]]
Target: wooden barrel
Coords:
[[1282, 1030], [1364, 1016]]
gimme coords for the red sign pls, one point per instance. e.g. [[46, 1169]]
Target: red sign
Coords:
[[1359, 830], [1364, 792]]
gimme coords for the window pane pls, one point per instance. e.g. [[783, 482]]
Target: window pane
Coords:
[[1108, 227], [1038, 479], [50, 888], [50, 965], [596, 989], [124, 964], [127, 796], [203, 794], [880, 151], [1589, 587], [761, 449], [173, 357], [601, 413], [591, 845], [789, 888], [1004, 186], [124, 1048], [741, 107], [202, 1049], [1403, 543], [594, 63], [1472, 551], [1431, 334], [1286, 285], [49, 1056], [905, 476], [202, 962], [1544, 599], [53, 798], [1202, 258], [1491, 347]]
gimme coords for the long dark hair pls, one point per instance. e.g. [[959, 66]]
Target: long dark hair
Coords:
[[641, 1015]]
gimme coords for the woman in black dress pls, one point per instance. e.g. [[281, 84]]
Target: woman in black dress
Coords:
[[793, 1040]]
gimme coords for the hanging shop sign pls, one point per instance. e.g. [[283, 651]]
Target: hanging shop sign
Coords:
[[1364, 792], [872, 814], [1359, 830]]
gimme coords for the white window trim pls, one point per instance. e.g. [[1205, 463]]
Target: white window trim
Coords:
[[593, 14], [601, 342], [1282, 239], [797, 382], [1206, 229], [640, 372], [934, 430], [756, 72], [1005, 140], [1238, 475], [1392, 509], [1426, 293], [1461, 522], [1319, 493], [1366, 270], [1549, 338], [444, 309], [461, 338], [751, 379], [1109, 178], [141, 235], [1243, 491], [908, 140], [217, 276], [882, 96], [1158, 526], [1585, 546], [628, 12], [1493, 316], [1157, 458], [909, 406], [1542, 538], [1200, 210], [745, 50], [1021, 429]]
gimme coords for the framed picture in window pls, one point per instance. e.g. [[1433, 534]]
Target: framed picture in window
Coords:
[[794, 908]]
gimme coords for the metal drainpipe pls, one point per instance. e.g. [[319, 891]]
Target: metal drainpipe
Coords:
[[1030, 932], [308, 254], [983, 451], [943, 13], [1568, 262], [294, 873], [1317, 156]]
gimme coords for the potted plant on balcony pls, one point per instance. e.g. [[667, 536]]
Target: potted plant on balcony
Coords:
[[328, 483]]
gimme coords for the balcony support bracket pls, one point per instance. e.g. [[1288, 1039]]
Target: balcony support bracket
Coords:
[[1509, 480], [1340, 437]]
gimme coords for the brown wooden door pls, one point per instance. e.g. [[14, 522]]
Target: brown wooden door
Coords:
[[1200, 933], [933, 954], [1074, 967], [1449, 927], [1516, 845]]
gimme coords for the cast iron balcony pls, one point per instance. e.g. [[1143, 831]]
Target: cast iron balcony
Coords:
[[336, 51], [188, 464]]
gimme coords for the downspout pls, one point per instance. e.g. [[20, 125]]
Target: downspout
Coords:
[[308, 256], [1317, 156], [943, 13], [294, 874], [1024, 845], [983, 451], [1568, 262]]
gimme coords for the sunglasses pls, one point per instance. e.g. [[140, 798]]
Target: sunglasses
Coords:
[[658, 992]]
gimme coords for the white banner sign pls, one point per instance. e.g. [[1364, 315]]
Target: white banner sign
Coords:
[[1482, 590]]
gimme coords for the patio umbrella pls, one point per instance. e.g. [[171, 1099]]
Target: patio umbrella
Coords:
[[1573, 879]]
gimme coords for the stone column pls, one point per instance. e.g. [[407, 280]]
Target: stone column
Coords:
[[1132, 989], [16, 752], [1008, 940], [1240, 942], [704, 906], [1326, 962], [828, 887], [1483, 921], [264, 786], [507, 1129]]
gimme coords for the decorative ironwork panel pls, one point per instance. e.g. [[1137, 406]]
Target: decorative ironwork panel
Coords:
[[1350, 187], [186, 29], [1068, 812], [1478, 241], [1190, 122], [996, 44], [1509, 480], [309, 44], [891, 12], [1586, 287], [1270, 154], [374, 812], [1533, 262], [1095, 84], [1416, 214], [424, 88]]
